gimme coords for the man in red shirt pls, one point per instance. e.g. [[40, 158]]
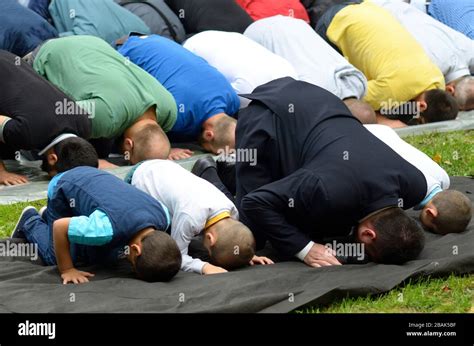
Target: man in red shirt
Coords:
[[258, 9]]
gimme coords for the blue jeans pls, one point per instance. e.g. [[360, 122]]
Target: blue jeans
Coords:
[[39, 231]]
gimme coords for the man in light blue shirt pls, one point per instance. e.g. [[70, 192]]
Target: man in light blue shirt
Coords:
[[104, 19]]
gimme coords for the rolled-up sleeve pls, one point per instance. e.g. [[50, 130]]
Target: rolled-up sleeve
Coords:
[[95, 229]]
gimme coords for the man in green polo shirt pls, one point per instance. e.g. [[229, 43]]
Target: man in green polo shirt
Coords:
[[123, 99]]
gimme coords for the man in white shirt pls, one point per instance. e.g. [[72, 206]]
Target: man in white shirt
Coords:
[[442, 210], [197, 207], [314, 60], [449, 49], [244, 63]]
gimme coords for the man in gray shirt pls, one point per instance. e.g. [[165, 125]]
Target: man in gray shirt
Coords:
[[314, 60]]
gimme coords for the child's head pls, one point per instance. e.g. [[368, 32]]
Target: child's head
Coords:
[[67, 154], [448, 212], [154, 256], [230, 244]]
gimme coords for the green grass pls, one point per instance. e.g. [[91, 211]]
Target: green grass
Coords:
[[454, 151], [453, 294], [9, 215]]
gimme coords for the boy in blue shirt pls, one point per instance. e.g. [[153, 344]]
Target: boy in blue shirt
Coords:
[[205, 99], [93, 216]]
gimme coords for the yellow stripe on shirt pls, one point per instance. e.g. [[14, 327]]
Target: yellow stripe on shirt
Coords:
[[217, 218]]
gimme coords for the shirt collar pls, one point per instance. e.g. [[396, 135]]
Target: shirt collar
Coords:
[[437, 189], [129, 176]]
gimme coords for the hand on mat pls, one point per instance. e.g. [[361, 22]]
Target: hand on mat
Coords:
[[212, 269], [75, 276], [179, 154], [7, 178], [320, 256], [260, 260]]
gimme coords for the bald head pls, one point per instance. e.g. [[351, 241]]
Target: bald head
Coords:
[[147, 141], [361, 110], [464, 93]]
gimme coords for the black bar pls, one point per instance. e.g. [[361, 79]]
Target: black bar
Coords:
[[195, 329]]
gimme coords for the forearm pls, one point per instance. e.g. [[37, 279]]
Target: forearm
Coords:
[[61, 244], [285, 237], [190, 264]]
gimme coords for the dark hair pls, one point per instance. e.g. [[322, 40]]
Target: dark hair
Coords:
[[71, 153], [441, 106], [399, 237], [454, 212], [160, 259]]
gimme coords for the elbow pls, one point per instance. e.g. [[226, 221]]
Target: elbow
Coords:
[[247, 205]]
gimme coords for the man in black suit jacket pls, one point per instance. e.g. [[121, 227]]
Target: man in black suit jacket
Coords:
[[320, 173]]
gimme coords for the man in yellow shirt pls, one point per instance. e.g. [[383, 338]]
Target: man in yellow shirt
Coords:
[[403, 82]]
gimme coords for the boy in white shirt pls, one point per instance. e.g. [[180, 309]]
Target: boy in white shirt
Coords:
[[442, 210], [197, 207]]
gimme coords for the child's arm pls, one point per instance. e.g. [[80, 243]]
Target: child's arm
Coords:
[[63, 255], [209, 269]]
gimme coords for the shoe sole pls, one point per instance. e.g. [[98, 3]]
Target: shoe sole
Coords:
[[41, 211], [21, 217]]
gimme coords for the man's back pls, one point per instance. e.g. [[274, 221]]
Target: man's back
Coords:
[[244, 63], [450, 50], [32, 104], [314, 60], [22, 30], [396, 66], [199, 89], [87, 68], [458, 14], [202, 15], [104, 19], [328, 157]]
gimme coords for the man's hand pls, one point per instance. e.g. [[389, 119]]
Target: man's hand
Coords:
[[320, 256], [260, 260], [212, 269], [179, 154], [7, 178], [75, 276]]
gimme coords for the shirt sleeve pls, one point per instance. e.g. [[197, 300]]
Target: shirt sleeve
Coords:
[[2, 127], [302, 254], [95, 229], [183, 231], [350, 82]]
